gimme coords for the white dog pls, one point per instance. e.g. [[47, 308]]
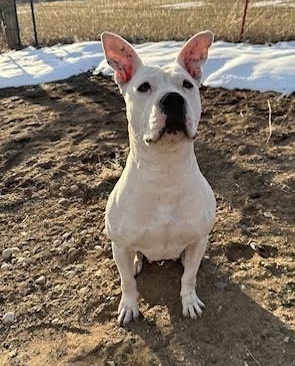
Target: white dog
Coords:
[[162, 206]]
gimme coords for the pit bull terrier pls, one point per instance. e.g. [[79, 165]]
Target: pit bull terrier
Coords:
[[162, 207]]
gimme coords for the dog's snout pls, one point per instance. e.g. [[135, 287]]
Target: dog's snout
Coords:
[[171, 103]]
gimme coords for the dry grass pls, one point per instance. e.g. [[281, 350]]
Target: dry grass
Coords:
[[141, 20]]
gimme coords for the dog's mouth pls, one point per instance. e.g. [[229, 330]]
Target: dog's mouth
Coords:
[[175, 124], [174, 129], [171, 134]]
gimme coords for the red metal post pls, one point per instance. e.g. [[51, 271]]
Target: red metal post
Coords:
[[244, 19]]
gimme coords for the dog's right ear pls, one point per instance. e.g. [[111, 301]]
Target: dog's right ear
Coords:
[[194, 53], [121, 56]]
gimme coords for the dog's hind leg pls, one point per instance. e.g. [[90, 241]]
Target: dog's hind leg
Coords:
[[191, 304]]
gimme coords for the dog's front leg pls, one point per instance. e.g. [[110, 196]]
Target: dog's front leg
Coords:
[[128, 308], [191, 304]]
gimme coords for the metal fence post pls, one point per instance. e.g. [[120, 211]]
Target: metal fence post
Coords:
[[244, 19], [34, 23]]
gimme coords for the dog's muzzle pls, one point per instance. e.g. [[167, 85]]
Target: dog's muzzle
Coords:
[[173, 106]]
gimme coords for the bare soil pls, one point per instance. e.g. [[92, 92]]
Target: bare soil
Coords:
[[62, 148]]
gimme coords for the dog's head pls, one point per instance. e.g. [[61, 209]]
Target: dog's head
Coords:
[[163, 103]]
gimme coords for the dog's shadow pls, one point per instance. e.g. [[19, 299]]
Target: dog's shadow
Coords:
[[233, 330]]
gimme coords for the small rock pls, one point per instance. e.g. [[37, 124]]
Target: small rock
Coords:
[[41, 280], [243, 150], [79, 268], [9, 318], [56, 242], [220, 285], [55, 321], [74, 188], [58, 289], [268, 215], [98, 273], [98, 247], [5, 266], [71, 251], [180, 358], [286, 339], [74, 254], [59, 212], [66, 236], [21, 260], [62, 201], [15, 250], [15, 99], [13, 353], [7, 254], [71, 241], [83, 290], [70, 273], [25, 244]]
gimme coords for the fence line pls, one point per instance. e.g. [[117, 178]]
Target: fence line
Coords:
[[144, 20]]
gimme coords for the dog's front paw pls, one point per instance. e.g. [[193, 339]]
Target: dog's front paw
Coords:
[[192, 305], [128, 309]]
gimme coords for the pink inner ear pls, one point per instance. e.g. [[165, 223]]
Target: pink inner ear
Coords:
[[193, 57], [124, 74], [121, 57], [194, 54]]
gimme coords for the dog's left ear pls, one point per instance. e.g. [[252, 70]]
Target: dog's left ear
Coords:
[[194, 53], [121, 56]]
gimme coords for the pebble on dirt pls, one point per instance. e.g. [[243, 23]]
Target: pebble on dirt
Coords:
[[41, 280], [9, 318], [7, 254]]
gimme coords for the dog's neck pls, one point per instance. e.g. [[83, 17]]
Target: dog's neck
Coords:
[[178, 157]]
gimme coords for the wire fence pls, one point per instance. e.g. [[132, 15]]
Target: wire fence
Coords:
[[64, 21]]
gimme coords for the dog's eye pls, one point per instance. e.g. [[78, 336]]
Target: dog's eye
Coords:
[[187, 84], [144, 87]]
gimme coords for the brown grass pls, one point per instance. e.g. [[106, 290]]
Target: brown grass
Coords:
[[141, 20]]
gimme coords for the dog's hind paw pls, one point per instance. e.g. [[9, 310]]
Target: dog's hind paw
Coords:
[[128, 310], [192, 305], [138, 262]]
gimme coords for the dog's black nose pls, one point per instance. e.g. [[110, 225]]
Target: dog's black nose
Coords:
[[172, 103]]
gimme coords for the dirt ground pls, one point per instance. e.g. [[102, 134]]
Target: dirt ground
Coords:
[[62, 148]]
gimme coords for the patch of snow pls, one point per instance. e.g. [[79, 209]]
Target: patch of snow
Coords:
[[282, 3], [231, 66], [188, 5], [32, 66]]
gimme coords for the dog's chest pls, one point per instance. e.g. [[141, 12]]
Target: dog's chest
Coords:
[[160, 229], [165, 235]]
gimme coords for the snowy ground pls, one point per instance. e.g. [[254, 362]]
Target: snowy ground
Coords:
[[231, 66], [255, 4]]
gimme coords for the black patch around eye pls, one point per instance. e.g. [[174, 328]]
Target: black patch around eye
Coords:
[[187, 84], [144, 87]]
